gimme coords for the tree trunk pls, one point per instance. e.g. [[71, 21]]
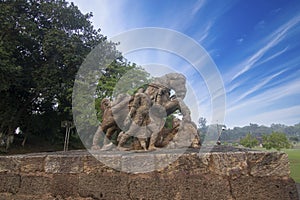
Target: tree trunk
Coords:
[[24, 140]]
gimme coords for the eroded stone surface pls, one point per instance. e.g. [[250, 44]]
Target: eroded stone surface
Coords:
[[219, 174], [270, 164], [263, 188]]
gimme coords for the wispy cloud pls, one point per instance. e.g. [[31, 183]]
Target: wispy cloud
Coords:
[[289, 115], [268, 97], [267, 107], [286, 65], [255, 90], [199, 4], [240, 40], [284, 115], [205, 33], [273, 56], [258, 86], [271, 41]]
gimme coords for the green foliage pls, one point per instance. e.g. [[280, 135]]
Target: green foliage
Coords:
[[169, 121], [202, 128], [294, 139], [294, 159], [235, 144], [202, 124], [249, 141], [119, 77], [234, 134], [276, 140], [42, 45]]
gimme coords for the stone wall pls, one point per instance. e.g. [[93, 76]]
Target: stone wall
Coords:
[[212, 175]]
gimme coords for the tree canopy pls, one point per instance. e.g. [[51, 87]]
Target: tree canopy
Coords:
[[236, 133], [249, 141], [42, 46], [276, 141]]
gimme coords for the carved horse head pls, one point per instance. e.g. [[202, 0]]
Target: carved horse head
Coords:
[[173, 81]]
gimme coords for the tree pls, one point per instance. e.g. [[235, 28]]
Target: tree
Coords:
[[202, 124], [276, 140], [234, 134], [249, 141], [99, 82], [294, 139], [202, 130], [120, 77], [42, 46]]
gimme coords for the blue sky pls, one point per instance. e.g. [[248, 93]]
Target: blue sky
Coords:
[[254, 44]]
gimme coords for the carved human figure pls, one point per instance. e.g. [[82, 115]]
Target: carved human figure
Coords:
[[142, 116], [137, 119], [113, 116], [159, 92]]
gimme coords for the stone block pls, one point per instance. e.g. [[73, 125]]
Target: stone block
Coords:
[[103, 186], [32, 164], [65, 185], [208, 187], [229, 164], [9, 164], [102, 163], [9, 183], [138, 163], [189, 163], [34, 185], [268, 164], [63, 164], [264, 188], [182, 186]]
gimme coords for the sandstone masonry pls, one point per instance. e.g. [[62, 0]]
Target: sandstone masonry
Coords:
[[218, 174]]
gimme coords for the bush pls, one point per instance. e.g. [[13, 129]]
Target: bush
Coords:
[[249, 141], [276, 141]]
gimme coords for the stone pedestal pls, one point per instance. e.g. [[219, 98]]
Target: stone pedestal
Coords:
[[223, 173]]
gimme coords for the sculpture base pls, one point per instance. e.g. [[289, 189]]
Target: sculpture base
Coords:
[[220, 173]]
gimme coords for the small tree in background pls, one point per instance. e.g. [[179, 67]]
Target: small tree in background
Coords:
[[249, 141], [294, 139], [276, 141], [202, 128]]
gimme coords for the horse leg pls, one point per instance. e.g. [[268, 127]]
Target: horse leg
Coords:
[[96, 139], [171, 106], [107, 144], [122, 138], [178, 104]]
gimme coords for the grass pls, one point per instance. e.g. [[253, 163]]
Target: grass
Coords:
[[294, 158]]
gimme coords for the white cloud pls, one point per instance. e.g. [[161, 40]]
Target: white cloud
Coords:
[[273, 56], [203, 35], [289, 116], [286, 115], [251, 108], [269, 42], [240, 40], [199, 4], [109, 15], [258, 86]]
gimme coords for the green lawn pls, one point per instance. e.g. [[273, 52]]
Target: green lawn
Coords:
[[294, 158]]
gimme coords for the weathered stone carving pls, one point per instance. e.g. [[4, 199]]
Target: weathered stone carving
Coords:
[[138, 121]]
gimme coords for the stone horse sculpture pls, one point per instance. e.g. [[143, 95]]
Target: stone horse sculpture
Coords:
[[143, 116]]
